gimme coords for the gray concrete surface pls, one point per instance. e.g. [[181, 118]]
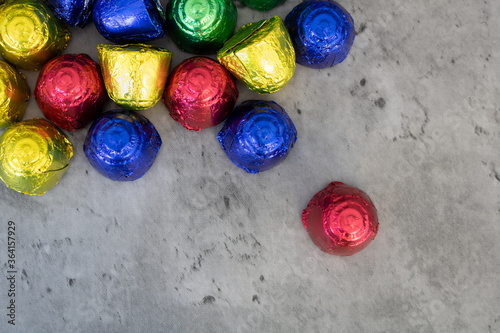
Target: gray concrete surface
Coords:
[[412, 117]]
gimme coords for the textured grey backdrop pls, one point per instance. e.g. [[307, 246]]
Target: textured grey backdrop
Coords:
[[412, 117]]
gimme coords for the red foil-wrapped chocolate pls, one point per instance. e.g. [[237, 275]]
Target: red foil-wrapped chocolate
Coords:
[[70, 91], [341, 219], [200, 93]]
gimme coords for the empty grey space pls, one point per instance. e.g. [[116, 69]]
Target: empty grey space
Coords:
[[411, 117]]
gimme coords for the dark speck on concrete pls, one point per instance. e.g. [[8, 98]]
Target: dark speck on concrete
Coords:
[[48, 290], [71, 282], [261, 278], [299, 111], [362, 82], [24, 276], [362, 28], [86, 172], [255, 298], [478, 130], [208, 299], [226, 202], [380, 102]]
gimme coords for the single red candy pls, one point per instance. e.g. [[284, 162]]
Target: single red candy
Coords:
[[70, 91], [341, 219], [200, 93]]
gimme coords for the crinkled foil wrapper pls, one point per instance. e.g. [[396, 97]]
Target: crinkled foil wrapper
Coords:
[[14, 95], [76, 13], [322, 32], [122, 145], [134, 75], [34, 156], [261, 55], [341, 219], [70, 91], [257, 135], [30, 34], [129, 21], [201, 26], [200, 93], [262, 5]]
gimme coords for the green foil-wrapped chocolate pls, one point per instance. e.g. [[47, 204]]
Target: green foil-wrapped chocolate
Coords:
[[34, 155], [201, 26], [261, 55], [135, 74], [30, 34], [14, 94], [262, 5]]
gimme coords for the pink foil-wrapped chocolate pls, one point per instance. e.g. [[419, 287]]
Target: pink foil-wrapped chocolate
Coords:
[[200, 93], [70, 91], [341, 219]]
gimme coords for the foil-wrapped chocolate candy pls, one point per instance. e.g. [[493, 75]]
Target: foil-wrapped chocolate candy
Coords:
[[200, 93], [14, 95], [129, 21], [322, 32], [34, 156], [341, 219], [30, 34], [261, 55], [257, 135], [122, 145], [262, 5], [134, 75], [76, 13], [200, 26], [70, 91]]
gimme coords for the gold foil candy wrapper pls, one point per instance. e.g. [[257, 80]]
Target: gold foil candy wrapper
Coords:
[[34, 155], [14, 95], [261, 55], [30, 34], [135, 74]]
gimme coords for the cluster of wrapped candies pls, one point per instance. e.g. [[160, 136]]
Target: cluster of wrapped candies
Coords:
[[199, 93]]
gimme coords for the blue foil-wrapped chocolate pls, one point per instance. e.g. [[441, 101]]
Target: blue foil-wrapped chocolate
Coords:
[[129, 21], [122, 145], [322, 32], [257, 135], [76, 13]]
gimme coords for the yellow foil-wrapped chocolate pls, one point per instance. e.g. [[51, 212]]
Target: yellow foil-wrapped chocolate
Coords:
[[14, 95], [261, 55], [134, 75], [30, 34], [34, 155]]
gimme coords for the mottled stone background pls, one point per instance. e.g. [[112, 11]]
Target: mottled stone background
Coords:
[[412, 117]]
